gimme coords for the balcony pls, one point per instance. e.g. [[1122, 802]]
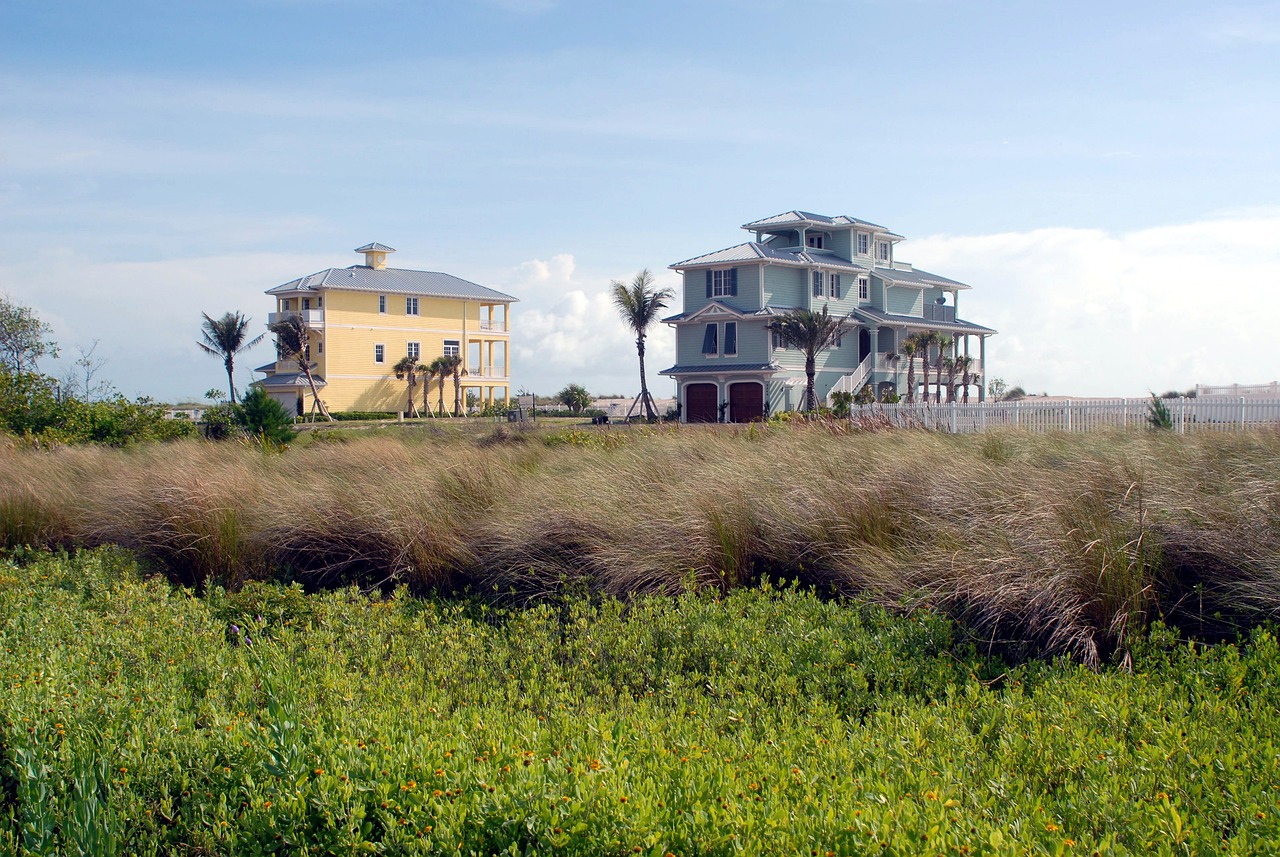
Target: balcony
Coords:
[[498, 326], [934, 312], [312, 318]]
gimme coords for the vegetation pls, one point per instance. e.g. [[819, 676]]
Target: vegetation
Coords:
[[640, 305], [24, 338], [140, 720], [1032, 543], [225, 338], [574, 397], [812, 333], [263, 418], [408, 367]]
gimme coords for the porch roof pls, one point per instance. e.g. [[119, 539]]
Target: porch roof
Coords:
[[287, 380], [720, 368], [881, 318]]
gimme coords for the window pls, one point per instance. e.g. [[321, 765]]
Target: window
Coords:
[[286, 304], [382, 304], [306, 303], [722, 283], [817, 284], [413, 349], [815, 241], [882, 251], [835, 286], [320, 347], [864, 289], [410, 306], [777, 341], [452, 348], [710, 340], [379, 354], [730, 338], [864, 243]]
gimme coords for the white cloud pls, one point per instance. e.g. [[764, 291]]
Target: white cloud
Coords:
[[1087, 313]]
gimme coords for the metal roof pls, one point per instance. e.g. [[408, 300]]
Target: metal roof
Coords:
[[374, 247], [720, 368], [362, 278], [879, 317], [916, 277], [288, 380], [753, 251], [798, 218]]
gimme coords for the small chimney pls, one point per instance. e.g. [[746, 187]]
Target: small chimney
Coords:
[[375, 255]]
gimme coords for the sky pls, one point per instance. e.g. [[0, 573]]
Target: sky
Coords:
[[1104, 175]]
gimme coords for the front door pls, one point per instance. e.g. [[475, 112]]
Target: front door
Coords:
[[746, 402], [864, 344], [700, 405]]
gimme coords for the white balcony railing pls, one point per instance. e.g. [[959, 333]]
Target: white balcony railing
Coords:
[[313, 318], [498, 325]]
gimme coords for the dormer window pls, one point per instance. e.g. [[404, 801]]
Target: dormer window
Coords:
[[864, 244], [816, 240], [882, 251]]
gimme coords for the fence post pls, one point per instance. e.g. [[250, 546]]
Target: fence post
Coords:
[[953, 416], [1068, 415], [1017, 416], [1242, 406]]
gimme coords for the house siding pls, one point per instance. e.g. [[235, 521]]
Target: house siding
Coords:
[[902, 301], [785, 287]]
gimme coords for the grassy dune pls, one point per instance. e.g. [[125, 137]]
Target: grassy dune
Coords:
[[1034, 543]]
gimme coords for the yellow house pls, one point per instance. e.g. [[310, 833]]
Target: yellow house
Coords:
[[363, 319]]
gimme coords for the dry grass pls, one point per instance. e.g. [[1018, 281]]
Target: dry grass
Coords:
[[1045, 543]]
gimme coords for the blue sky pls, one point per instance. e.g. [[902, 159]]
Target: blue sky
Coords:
[[1104, 175]]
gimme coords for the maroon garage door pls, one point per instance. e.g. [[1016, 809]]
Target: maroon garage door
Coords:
[[700, 404], [746, 402]]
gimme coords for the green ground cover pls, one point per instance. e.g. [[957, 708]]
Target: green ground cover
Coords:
[[139, 719]]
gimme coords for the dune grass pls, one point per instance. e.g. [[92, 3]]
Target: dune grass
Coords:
[[1035, 544]]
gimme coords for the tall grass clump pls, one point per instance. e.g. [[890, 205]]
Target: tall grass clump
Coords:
[[1048, 543]]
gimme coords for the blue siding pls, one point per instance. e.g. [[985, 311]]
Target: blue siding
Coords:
[[903, 301], [786, 287]]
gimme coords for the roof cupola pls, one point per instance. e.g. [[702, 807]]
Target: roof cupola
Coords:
[[375, 255]]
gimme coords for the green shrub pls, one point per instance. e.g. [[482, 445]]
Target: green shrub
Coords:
[[265, 418]]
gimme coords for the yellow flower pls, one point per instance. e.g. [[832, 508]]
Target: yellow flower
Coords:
[[1051, 827]]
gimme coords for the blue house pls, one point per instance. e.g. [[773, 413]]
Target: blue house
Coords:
[[731, 368]]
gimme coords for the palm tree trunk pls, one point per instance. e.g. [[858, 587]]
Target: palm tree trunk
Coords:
[[924, 364], [649, 412], [810, 394], [315, 393], [457, 394], [231, 381], [964, 382]]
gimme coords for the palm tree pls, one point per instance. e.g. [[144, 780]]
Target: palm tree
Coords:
[[925, 341], [450, 364], [293, 342], [639, 304], [436, 369], [965, 363], [810, 332], [944, 345], [409, 367], [226, 337], [909, 352]]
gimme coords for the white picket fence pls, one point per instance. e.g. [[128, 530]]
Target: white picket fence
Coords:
[[1187, 415]]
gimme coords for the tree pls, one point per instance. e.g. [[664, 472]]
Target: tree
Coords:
[[639, 304], [575, 397], [909, 352], [24, 338], [944, 345], [996, 389], [446, 366], [966, 365], [293, 342], [409, 367], [810, 332], [226, 337], [264, 418], [82, 379], [951, 366], [437, 369]]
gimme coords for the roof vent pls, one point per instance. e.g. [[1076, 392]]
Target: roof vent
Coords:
[[375, 255]]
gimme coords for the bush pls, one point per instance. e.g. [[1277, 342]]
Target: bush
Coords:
[[344, 416], [265, 418]]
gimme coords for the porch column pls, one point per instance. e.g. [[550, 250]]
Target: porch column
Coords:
[[982, 359]]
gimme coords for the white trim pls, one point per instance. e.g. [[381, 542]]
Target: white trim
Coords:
[[446, 331]]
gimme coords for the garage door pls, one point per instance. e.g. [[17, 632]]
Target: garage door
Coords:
[[700, 403], [746, 402]]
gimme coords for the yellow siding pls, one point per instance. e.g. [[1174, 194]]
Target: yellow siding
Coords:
[[353, 326]]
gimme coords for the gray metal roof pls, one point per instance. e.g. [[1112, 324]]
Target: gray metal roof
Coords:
[[720, 368], [362, 278], [287, 380], [916, 277], [755, 252], [375, 247], [799, 218], [880, 317]]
